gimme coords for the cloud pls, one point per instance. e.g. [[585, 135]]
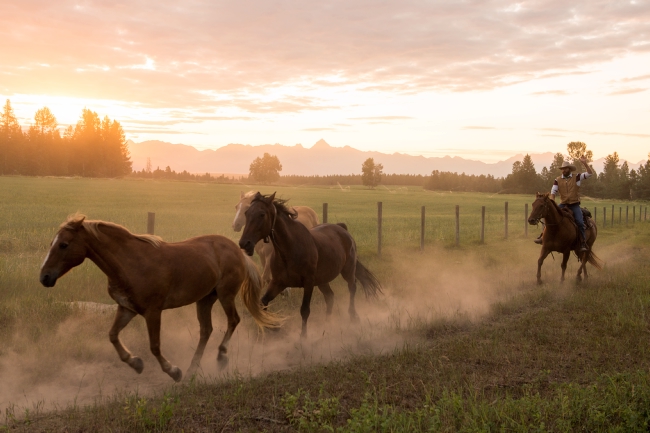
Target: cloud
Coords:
[[266, 57], [627, 91], [637, 78]]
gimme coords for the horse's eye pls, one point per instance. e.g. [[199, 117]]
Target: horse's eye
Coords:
[[63, 245], [261, 214]]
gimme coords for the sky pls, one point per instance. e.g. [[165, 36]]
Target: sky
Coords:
[[478, 79]]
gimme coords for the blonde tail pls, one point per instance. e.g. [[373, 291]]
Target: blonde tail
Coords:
[[250, 293]]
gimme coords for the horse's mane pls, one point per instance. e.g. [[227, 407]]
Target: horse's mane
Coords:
[[567, 212], [281, 206], [93, 227]]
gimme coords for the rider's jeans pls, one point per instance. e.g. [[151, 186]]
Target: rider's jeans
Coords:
[[577, 214]]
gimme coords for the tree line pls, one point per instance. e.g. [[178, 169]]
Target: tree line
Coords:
[[94, 147]]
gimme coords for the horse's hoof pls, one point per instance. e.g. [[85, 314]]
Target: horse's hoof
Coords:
[[222, 361], [176, 374], [136, 364], [539, 282]]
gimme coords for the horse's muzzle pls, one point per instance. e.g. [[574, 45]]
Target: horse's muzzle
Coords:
[[533, 221], [247, 246], [48, 280]]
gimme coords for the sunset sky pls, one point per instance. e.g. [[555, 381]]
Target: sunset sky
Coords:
[[478, 79]]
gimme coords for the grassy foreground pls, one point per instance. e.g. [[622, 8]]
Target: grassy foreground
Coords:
[[478, 346]]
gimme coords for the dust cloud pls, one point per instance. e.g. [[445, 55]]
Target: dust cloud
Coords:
[[79, 366]]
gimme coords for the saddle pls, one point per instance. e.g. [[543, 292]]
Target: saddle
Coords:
[[586, 216]]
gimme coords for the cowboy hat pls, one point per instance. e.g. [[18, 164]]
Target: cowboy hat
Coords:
[[567, 165]]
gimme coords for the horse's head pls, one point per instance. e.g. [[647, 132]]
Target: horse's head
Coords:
[[260, 219], [67, 250], [241, 208], [540, 208]]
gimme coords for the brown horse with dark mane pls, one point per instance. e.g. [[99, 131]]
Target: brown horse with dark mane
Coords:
[[305, 257], [561, 235], [147, 275]]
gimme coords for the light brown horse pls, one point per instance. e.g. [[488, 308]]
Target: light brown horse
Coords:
[[147, 275], [305, 257], [305, 215], [561, 235]]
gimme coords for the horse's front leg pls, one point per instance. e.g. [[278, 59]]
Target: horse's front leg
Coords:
[[565, 259], [272, 291], [327, 292], [152, 318], [122, 318], [540, 262]]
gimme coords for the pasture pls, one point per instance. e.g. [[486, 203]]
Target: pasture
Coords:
[[463, 335]]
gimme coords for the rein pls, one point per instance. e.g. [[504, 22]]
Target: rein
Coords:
[[545, 212]]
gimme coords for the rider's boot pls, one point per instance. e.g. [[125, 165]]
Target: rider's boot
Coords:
[[539, 239], [583, 247]]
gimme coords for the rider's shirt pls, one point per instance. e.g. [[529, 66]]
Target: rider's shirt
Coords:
[[569, 187]]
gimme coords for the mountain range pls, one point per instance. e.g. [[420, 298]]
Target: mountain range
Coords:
[[320, 159]]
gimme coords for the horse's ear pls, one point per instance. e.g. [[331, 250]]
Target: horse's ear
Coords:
[[241, 195], [77, 223], [271, 197], [258, 196]]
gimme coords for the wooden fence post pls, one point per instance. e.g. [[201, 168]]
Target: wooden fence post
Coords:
[[620, 215], [645, 216], [633, 214], [379, 216], [604, 216], [627, 214], [526, 220], [151, 221], [482, 224], [612, 216], [506, 220], [595, 214], [457, 225], [422, 231], [324, 213]]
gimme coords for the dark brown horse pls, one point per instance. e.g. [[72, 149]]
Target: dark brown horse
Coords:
[[147, 275], [305, 257], [561, 235]]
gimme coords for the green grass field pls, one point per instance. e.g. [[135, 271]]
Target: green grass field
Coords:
[[429, 354]]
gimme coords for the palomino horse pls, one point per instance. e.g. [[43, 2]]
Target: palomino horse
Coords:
[[305, 257], [306, 216], [561, 235], [147, 275]]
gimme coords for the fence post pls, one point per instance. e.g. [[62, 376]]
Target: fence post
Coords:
[[633, 214], [645, 216], [612, 216], [627, 214], [151, 220], [379, 216], [604, 216], [595, 214], [506, 219], [482, 224], [324, 213], [422, 231], [457, 225], [526, 220]]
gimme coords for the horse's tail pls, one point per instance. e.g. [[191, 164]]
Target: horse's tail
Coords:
[[250, 293], [594, 260], [370, 283]]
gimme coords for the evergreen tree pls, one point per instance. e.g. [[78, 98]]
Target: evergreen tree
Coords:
[[11, 137]]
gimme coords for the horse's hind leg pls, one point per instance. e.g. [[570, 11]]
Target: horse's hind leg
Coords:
[[122, 318], [228, 304], [153, 326], [352, 288], [327, 292], [204, 314], [305, 307]]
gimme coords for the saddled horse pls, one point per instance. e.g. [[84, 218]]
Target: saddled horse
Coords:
[[147, 275], [264, 249], [561, 235], [305, 257]]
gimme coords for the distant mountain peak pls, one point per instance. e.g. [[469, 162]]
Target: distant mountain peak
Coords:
[[321, 144]]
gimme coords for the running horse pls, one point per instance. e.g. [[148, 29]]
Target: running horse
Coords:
[[264, 249], [561, 235], [147, 275], [305, 257]]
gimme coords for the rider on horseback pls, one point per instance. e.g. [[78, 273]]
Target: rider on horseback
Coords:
[[568, 186]]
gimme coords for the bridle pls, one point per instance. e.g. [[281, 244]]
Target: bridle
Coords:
[[271, 234], [545, 212]]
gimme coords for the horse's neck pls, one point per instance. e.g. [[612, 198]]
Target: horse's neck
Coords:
[[285, 235], [107, 253]]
